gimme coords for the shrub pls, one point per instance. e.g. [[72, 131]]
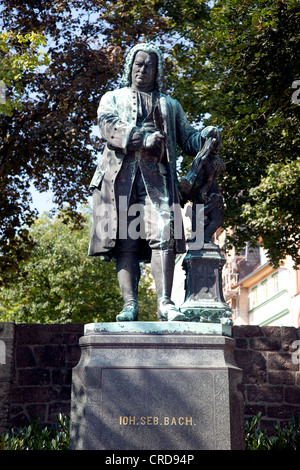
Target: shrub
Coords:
[[56, 437], [287, 438], [36, 437]]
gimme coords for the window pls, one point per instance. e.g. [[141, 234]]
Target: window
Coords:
[[298, 280], [253, 298], [264, 290], [275, 283]]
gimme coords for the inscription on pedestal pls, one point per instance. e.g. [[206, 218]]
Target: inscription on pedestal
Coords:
[[158, 409], [156, 421]]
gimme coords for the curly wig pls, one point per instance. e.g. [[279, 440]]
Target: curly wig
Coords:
[[146, 47]]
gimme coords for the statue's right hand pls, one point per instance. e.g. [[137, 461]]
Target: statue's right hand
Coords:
[[215, 134], [154, 140]]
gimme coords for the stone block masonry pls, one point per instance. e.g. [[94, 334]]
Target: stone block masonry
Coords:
[[7, 331], [38, 375], [35, 378], [269, 357]]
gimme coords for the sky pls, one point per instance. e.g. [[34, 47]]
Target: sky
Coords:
[[41, 201]]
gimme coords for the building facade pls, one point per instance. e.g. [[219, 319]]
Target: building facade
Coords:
[[260, 294], [257, 293]]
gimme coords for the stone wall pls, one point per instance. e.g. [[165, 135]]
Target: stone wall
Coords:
[[7, 331], [36, 376], [271, 375], [41, 367]]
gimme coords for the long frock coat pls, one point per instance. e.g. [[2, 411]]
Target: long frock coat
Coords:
[[117, 118]]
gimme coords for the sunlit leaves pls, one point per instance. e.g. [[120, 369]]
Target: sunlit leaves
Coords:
[[60, 283], [237, 72], [48, 140], [274, 210], [232, 64], [18, 54]]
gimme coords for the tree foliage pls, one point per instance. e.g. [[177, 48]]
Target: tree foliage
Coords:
[[237, 68], [49, 141], [13, 64], [232, 64], [274, 209], [61, 284], [19, 55]]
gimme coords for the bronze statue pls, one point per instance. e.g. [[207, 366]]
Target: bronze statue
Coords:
[[141, 126]]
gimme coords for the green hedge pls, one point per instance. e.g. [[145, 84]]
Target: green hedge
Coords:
[[286, 438], [56, 437], [36, 437]]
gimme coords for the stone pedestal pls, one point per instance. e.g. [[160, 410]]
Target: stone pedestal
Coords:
[[204, 300], [156, 386]]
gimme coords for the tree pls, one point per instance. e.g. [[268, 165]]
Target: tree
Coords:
[[19, 54], [49, 142], [239, 64], [61, 284], [234, 64], [274, 210]]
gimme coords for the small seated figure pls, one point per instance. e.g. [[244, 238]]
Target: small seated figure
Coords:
[[200, 186]]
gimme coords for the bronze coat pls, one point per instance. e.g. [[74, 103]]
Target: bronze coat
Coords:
[[117, 117]]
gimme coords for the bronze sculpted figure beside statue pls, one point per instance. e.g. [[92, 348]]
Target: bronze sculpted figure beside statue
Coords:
[[136, 193]]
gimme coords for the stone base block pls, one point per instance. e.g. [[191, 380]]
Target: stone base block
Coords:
[[138, 387], [204, 300]]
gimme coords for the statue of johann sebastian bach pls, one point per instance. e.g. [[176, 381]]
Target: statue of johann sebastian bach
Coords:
[[141, 126]]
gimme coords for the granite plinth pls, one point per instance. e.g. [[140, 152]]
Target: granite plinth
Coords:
[[143, 386], [158, 328]]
